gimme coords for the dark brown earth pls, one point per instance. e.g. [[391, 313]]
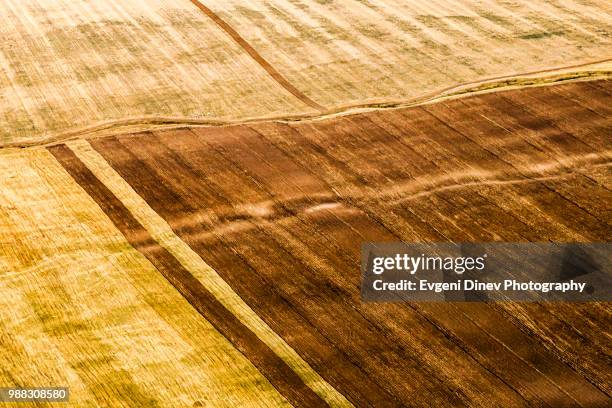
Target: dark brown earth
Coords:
[[280, 210]]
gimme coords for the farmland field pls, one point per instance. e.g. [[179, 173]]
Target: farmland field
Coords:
[[67, 67], [81, 307], [274, 210], [185, 186], [348, 53]]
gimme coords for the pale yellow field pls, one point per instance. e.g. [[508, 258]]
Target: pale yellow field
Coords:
[[67, 65], [346, 52], [81, 308]]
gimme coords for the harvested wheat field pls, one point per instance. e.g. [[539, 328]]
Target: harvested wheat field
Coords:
[[185, 186], [70, 67]]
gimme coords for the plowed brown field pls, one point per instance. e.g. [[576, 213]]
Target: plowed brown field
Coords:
[[279, 210]]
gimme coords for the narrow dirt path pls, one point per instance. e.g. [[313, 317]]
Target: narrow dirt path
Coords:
[[277, 76]]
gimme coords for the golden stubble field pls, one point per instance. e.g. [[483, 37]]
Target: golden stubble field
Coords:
[[82, 308]]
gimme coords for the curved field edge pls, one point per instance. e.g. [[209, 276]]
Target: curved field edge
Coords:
[[598, 70]]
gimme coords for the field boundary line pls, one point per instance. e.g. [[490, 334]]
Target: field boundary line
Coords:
[[273, 72], [271, 366], [161, 232], [150, 123], [522, 80]]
